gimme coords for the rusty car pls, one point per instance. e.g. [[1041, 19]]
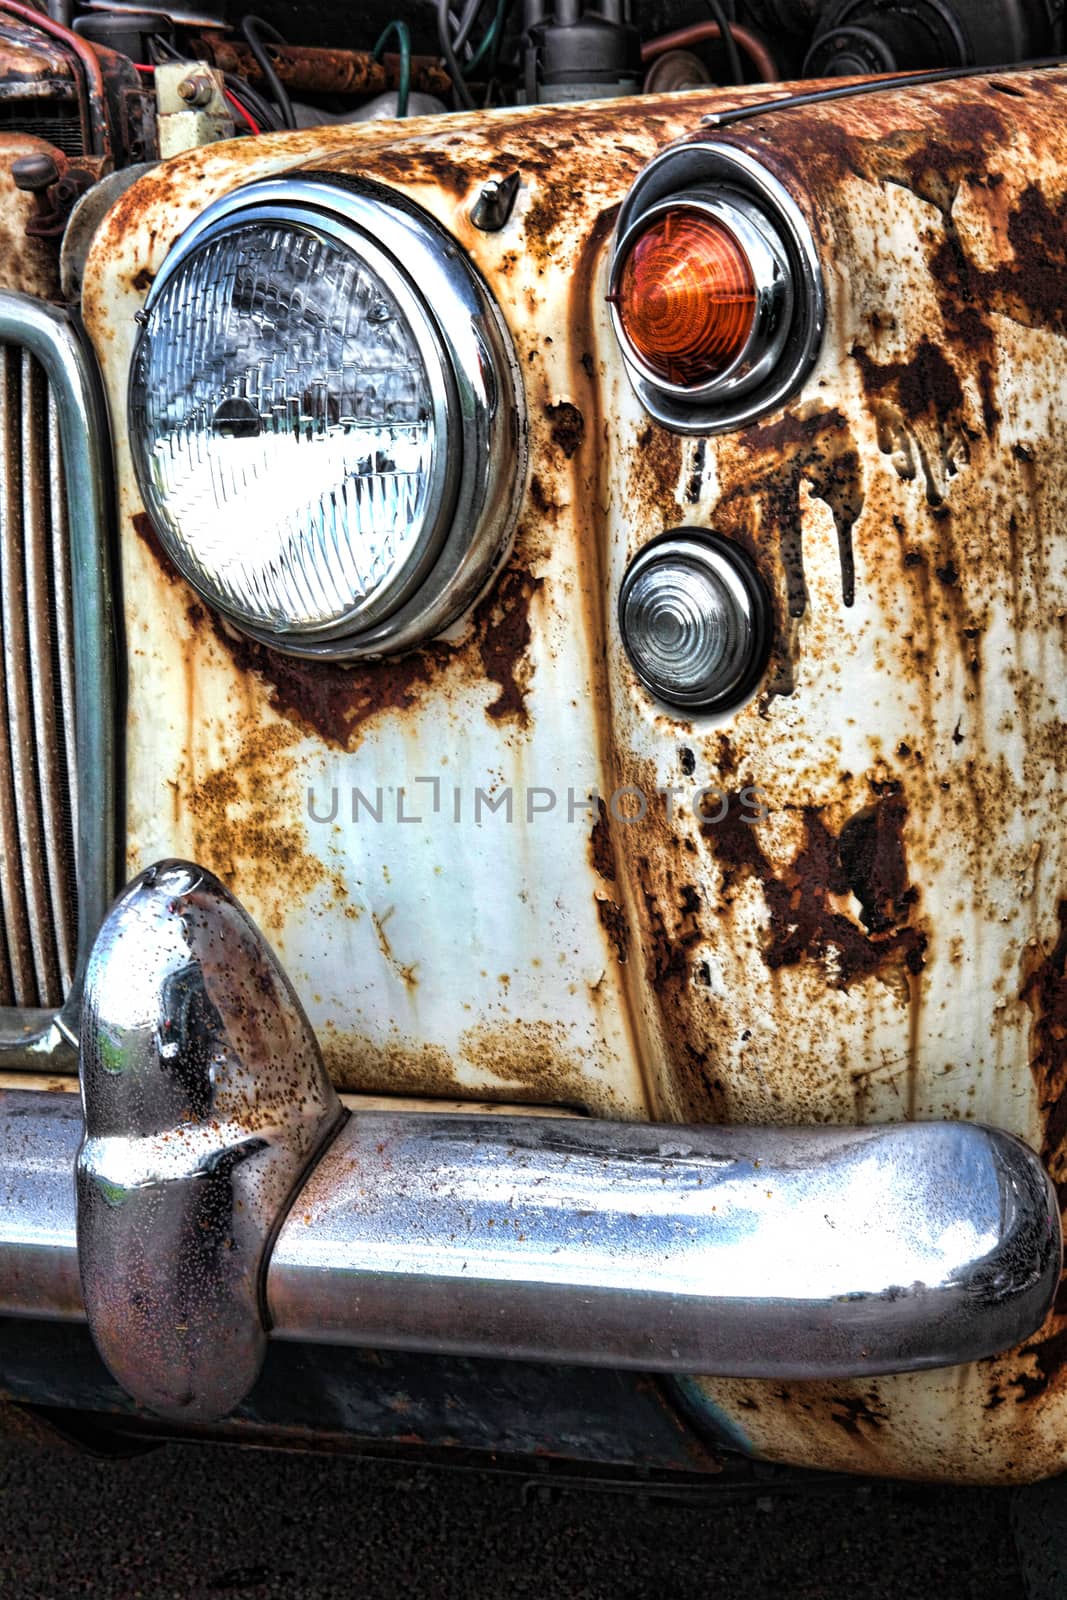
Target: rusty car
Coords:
[[533, 602]]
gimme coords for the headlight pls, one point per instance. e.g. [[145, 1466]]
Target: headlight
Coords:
[[325, 418]]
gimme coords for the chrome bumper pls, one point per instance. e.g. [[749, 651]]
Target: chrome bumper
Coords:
[[223, 1193]]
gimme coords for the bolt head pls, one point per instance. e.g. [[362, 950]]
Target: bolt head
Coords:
[[195, 90]]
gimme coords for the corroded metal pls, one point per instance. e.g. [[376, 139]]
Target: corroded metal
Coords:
[[310, 69], [887, 940], [27, 264], [205, 1103]]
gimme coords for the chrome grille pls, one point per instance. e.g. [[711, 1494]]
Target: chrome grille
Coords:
[[38, 772]]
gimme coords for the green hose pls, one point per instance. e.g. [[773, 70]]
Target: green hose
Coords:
[[491, 42], [403, 40]]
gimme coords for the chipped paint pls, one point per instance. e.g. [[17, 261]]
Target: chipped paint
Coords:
[[859, 920]]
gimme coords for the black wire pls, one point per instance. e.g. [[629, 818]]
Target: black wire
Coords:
[[255, 30], [444, 39], [896, 80], [259, 109], [733, 58], [163, 46]]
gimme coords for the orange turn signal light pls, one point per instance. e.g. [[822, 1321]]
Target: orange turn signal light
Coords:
[[685, 297]]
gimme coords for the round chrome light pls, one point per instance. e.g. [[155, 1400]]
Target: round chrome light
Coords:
[[715, 287], [325, 418], [702, 295], [695, 620]]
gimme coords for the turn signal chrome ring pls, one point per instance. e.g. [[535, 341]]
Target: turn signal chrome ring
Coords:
[[695, 620], [715, 288], [701, 295]]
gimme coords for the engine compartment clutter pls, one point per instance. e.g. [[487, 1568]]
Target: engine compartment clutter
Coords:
[[136, 82]]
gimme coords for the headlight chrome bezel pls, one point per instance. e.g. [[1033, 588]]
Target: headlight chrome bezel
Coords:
[[480, 461]]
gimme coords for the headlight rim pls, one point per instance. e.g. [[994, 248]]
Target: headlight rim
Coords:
[[485, 445]]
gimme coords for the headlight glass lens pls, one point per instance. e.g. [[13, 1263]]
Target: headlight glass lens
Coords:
[[288, 419]]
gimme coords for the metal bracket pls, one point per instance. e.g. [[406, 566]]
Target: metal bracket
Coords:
[[193, 109]]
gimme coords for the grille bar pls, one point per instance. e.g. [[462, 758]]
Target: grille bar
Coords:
[[56, 783], [39, 781], [59, 823]]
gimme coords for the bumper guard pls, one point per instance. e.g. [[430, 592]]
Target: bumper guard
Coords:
[[223, 1193]]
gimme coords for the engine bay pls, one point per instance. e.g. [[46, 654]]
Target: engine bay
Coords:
[[108, 83]]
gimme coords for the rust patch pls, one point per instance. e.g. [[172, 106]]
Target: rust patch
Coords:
[[614, 923], [399, 1066], [145, 531], [567, 427], [404, 971], [533, 1058], [856, 1415], [1031, 288], [816, 448], [334, 701], [925, 386], [1044, 991], [27, 264], [671, 932], [655, 473], [602, 844], [503, 642], [807, 900], [237, 814], [329, 699]]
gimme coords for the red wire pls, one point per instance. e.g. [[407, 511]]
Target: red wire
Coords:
[[232, 98], [239, 108]]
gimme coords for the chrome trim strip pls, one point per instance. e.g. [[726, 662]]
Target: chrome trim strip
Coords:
[[80, 416]]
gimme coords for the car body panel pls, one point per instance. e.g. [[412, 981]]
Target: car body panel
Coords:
[[888, 941]]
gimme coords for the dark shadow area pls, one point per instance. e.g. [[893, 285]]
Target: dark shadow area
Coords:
[[200, 1521]]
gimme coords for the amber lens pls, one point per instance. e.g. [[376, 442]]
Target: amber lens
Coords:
[[686, 297]]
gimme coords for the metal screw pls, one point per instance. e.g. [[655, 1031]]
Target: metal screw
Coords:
[[196, 90]]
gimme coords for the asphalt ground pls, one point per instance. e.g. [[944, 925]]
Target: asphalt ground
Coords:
[[201, 1521]]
